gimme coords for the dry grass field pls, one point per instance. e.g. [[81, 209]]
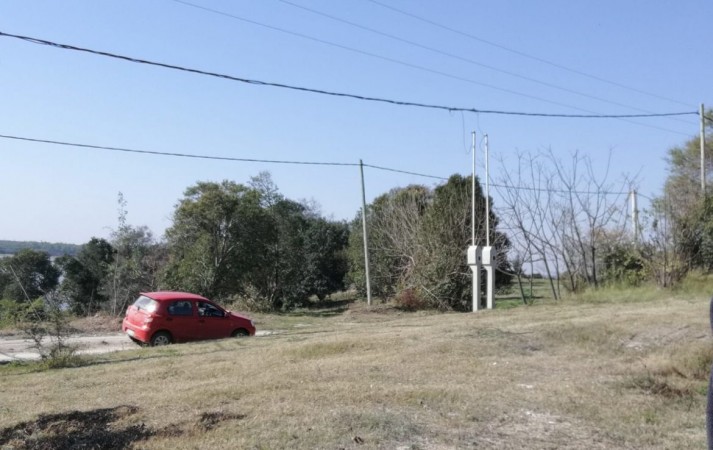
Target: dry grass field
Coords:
[[606, 374]]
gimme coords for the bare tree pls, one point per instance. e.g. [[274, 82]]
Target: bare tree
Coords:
[[561, 214]]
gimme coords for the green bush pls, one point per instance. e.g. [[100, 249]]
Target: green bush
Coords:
[[623, 264], [13, 312]]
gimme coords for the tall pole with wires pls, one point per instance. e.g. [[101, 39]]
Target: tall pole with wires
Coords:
[[473, 252], [703, 150], [366, 237], [472, 195], [487, 194], [487, 254]]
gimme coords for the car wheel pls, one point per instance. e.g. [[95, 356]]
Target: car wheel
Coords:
[[240, 332], [160, 338]]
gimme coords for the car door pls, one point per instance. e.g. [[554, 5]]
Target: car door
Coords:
[[182, 320], [213, 322]]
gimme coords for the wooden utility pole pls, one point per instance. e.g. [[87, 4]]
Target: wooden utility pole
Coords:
[[366, 238], [635, 216], [703, 150]]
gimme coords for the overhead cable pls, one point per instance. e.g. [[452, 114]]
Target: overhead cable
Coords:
[[182, 155], [413, 66], [526, 55], [273, 161], [405, 172], [377, 56], [341, 94], [452, 56], [558, 191]]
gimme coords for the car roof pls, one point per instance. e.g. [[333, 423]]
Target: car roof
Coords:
[[172, 295]]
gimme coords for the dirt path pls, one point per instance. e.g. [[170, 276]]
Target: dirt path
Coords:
[[14, 348], [22, 349]]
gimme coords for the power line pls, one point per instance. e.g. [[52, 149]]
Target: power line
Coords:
[[341, 94], [377, 56], [452, 55], [182, 155], [404, 171], [558, 191], [220, 158], [272, 161], [413, 66], [526, 55]]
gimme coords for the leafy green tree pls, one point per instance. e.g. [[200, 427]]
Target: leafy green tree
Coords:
[[215, 238], [27, 275], [417, 242], [230, 240], [86, 275], [303, 256], [326, 258], [444, 275], [683, 204]]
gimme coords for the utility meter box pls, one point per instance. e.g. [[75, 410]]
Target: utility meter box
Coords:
[[487, 255], [474, 255]]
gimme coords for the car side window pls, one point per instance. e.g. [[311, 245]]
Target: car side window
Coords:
[[209, 310], [180, 308]]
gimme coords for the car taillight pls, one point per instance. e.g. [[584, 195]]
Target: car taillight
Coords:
[[147, 322]]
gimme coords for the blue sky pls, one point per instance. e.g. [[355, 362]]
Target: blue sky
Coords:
[[69, 194]]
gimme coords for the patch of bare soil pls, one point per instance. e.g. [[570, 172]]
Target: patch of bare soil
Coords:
[[209, 420], [662, 336], [97, 429], [93, 429]]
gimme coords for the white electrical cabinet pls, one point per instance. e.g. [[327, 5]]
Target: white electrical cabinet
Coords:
[[474, 255], [487, 256]]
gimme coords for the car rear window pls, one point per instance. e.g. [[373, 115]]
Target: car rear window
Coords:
[[145, 303]]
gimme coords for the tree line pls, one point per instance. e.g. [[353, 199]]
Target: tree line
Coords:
[[575, 224], [248, 244], [52, 248]]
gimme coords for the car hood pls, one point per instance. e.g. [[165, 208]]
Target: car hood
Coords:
[[238, 316]]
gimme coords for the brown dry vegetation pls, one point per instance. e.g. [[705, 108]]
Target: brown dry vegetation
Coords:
[[596, 375]]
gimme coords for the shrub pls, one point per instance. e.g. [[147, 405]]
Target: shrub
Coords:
[[624, 264], [410, 300]]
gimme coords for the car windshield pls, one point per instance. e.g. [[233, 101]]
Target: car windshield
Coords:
[[146, 304]]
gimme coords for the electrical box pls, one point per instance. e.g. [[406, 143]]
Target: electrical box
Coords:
[[487, 256], [474, 255]]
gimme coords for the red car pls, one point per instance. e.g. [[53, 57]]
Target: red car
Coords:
[[161, 318]]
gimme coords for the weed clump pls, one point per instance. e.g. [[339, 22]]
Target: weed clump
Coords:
[[410, 300]]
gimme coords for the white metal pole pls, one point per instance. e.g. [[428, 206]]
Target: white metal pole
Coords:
[[366, 237], [487, 195], [476, 287], [472, 195]]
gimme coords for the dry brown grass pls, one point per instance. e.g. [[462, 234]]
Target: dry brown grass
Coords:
[[551, 376]]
